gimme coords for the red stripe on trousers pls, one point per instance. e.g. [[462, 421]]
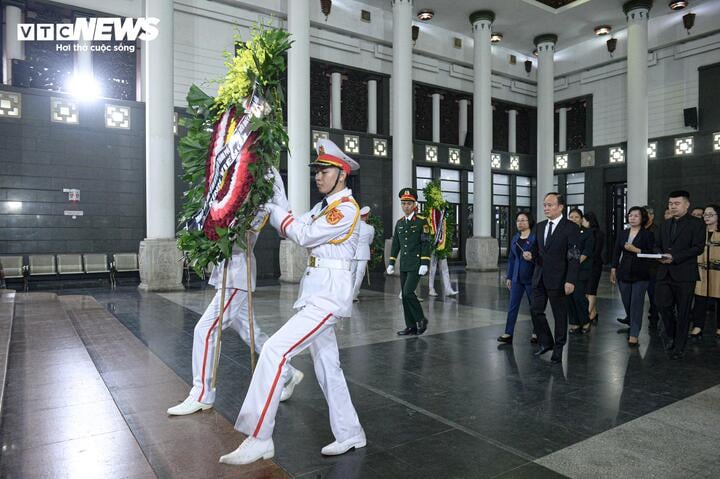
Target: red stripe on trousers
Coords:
[[279, 371], [207, 342]]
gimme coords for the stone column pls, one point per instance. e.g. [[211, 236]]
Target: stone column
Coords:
[[436, 117], [402, 108], [372, 106], [293, 258], [512, 131], [462, 121], [336, 100], [13, 47], [637, 13], [482, 249], [562, 129], [160, 259], [545, 117]]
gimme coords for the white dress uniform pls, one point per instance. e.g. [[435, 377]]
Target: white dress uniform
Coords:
[[362, 255], [326, 289], [236, 317], [444, 273]]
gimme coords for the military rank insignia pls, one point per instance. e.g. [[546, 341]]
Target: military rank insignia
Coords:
[[334, 216], [426, 229]]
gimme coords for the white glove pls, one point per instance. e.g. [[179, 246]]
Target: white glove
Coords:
[[279, 198], [423, 270], [390, 269]]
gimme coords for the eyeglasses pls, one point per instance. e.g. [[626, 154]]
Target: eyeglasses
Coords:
[[709, 215]]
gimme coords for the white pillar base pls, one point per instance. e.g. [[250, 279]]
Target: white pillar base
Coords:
[[481, 254], [161, 265], [293, 261]]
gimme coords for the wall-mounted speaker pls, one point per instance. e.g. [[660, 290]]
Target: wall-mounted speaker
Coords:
[[691, 117]]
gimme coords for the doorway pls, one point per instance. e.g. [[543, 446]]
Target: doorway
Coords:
[[615, 213]]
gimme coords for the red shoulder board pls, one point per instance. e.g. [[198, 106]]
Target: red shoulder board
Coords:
[[345, 199]]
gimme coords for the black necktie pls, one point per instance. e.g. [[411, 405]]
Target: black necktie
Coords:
[[674, 228], [324, 204], [549, 234]]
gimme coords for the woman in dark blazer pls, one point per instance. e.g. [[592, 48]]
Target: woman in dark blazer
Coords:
[[590, 222], [519, 272], [578, 311], [632, 274]]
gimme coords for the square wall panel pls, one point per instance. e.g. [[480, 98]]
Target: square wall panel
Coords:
[[63, 110], [495, 160], [454, 156], [318, 134], [431, 153], [10, 104], [684, 146], [561, 161], [617, 154], [380, 147], [352, 144], [118, 117]]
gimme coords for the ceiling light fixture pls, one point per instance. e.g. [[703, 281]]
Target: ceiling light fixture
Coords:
[[425, 15], [602, 30], [678, 4], [496, 37]]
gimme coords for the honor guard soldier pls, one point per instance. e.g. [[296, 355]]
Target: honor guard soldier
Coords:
[[411, 241], [329, 232], [202, 394]]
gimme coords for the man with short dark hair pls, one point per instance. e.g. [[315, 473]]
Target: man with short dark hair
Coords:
[[697, 212], [682, 239], [557, 261]]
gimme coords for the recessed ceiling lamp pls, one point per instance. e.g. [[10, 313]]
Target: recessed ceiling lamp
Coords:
[[496, 37], [602, 30], [425, 15], [678, 4]]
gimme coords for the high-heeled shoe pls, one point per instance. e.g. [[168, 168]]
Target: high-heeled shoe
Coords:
[[696, 336], [507, 339], [633, 342], [594, 321], [574, 330], [585, 328]]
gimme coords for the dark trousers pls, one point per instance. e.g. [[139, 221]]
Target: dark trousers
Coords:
[[675, 300], [558, 303], [411, 306], [702, 304], [653, 315], [517, 289], [633, 298], [578, 305]]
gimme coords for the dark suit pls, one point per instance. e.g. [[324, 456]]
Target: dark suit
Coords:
[[556, 263], [676, 281]]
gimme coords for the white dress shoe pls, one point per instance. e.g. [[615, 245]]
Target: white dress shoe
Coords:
[[188, 406], [451, 293], [432, 293], [337, 448], [290, 386], [252, 449]]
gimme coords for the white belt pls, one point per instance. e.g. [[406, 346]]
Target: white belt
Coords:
[[329, 263]]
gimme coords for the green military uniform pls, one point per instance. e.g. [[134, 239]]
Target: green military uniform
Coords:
[[411, 241]]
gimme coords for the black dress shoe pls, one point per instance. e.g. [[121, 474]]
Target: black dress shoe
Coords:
[[533, 339], [670, 345], [407, 332], [422, 326], [677, 355], [543, 350], [625, 321], [556, 357], [505, 339]]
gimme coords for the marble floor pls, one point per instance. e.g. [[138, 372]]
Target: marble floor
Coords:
[[452, 403]]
